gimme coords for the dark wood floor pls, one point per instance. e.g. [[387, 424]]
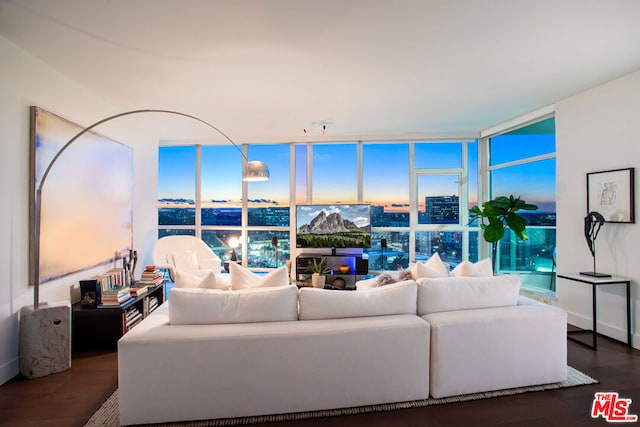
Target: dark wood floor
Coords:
[[70, 398]]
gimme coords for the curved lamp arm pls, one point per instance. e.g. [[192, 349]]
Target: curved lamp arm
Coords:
[[252, 171]]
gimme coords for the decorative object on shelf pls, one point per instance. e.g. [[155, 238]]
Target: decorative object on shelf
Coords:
[[129, 264], [344, 269], [611, 193], [319, 270], [318, 281], [499, 213], [339, 283], [31, 330], [592, 224]]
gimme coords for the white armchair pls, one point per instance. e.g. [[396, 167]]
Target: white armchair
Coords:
[[184, 253]]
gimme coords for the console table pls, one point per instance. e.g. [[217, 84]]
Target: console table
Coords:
[[595, 282]]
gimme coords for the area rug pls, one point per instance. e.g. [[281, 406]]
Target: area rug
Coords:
[[107, 415]]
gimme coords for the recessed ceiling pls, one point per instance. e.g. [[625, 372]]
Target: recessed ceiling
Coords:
[[266, 70]]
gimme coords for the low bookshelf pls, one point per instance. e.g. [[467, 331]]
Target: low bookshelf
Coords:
[[100, 328]]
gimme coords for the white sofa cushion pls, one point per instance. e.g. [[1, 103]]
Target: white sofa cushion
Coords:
[[365, 284], [465, 293], [481, 268], [397, 298], [203, 279], [189, 306], [243, 278]]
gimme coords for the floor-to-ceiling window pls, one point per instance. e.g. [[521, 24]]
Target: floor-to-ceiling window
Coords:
[[176, 190], [443, 191], [386, 186], [522, 163], [419, 193], [268, 209]]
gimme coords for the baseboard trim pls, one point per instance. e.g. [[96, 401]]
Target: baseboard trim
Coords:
[[605, 329], [9, 370]]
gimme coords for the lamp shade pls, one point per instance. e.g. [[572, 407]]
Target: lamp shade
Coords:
[[255, 170]]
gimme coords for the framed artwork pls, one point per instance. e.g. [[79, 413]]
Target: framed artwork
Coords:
[[611, 193], [87, 198]]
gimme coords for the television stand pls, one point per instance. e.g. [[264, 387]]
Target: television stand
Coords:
[[359, 267]]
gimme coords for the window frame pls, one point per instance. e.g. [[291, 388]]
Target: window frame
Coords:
[[485, 170]]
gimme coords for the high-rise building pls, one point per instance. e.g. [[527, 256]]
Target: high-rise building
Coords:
[[442, 209]]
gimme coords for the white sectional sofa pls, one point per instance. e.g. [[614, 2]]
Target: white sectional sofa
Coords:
[[210, 354]]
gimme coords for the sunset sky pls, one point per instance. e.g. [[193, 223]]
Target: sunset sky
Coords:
[[385, 173]]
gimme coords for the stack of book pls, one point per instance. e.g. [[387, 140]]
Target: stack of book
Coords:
[[110, 288], [151, 276], [153, 303], [132, 316], [115, 297], [136, 290]]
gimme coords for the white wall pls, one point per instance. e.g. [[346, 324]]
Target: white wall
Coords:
[[26, 81], [597, 130]]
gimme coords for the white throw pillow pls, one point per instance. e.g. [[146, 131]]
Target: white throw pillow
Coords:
[[365, 284], [465, 293], [203, 280], [468, 269], [242, 278], [210, 306], [397, 298], [184, 260], [433, 267]]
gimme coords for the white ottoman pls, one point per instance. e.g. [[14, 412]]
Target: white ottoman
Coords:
[[497, 348]]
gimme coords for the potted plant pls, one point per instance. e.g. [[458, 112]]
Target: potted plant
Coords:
[[498, 214], [319, 270]]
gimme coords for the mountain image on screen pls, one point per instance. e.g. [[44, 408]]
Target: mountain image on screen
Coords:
[[333, 230]]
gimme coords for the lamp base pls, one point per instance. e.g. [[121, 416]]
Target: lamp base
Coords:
[[45, 339], [594, 274]]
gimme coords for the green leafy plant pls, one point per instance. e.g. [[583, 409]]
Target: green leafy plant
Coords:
[[320, 268], [498, 214]]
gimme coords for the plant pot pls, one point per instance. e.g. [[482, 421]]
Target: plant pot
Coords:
[[317, 281]]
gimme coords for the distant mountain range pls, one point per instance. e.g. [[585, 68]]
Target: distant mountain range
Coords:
[[329, 224]]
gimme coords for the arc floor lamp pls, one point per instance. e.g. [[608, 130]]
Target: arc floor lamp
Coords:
[[37, 335]]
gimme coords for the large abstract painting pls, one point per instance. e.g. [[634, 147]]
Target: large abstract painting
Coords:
[[86, 198]]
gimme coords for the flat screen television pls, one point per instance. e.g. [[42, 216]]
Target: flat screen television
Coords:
[[333, 226]]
